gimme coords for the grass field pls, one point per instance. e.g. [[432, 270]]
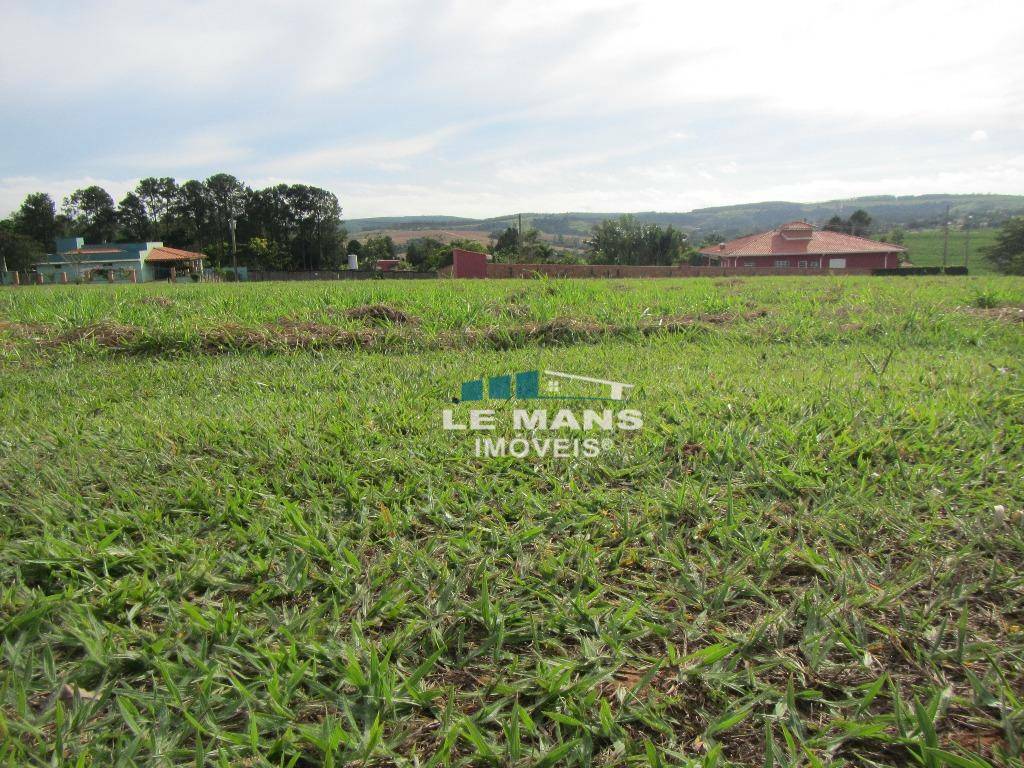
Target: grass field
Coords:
[[234, 533], [924, 248]]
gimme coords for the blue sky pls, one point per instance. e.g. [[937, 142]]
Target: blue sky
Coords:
[[484, 108]]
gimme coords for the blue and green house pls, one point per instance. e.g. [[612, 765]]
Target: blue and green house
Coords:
[[75, 261]]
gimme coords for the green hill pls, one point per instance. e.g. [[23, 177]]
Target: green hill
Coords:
[[908, 211]]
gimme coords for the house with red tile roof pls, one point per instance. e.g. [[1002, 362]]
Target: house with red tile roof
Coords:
[[798, 245], [75, 261]]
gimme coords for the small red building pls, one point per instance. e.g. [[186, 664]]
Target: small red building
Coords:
[[798, 245], [468, 263]]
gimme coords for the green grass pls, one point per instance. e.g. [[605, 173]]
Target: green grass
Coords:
[[251, 554], [924, 248]]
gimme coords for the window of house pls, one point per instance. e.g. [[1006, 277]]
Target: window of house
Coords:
[[749, 263], [802, 264], [814, 264], [782, 262]]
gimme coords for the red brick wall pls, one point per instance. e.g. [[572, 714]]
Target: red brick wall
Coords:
[[611, 270], [880, 260]]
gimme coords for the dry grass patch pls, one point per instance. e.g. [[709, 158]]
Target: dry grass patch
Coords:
[[380, 313]]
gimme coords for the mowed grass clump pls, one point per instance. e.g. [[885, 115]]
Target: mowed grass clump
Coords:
[[811, 554]]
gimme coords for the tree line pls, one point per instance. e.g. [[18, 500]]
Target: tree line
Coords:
[[282, 227]]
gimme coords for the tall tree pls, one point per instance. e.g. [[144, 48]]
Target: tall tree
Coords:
[[836, 224], [192, 209], [227, 196], [860, 222], [91, 213], [133, 219], [1007, 254], [329, 233], [506, 247], [158, 196], [37, 219]]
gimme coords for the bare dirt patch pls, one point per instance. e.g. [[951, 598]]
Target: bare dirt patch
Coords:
[[291, 334], [104, 334], [23, 330], [1002, 314], [679, 322]]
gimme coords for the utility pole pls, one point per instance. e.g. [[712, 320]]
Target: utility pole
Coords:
[[967, 242], [945, 240], [234, 250]]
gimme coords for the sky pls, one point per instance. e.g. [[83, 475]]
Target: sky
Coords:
[[479, 108]]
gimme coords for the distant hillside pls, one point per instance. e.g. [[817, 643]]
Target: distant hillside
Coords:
[[910, 211], [407, 222]]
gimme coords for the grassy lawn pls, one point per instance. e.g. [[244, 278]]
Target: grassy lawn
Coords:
[[234, 532], [925, 248]]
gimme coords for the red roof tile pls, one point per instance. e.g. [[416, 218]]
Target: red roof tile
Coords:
[[163, 253], [820, 242]]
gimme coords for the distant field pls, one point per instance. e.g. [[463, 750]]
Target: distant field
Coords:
[[925, 248], [403, 236], [234, 532]]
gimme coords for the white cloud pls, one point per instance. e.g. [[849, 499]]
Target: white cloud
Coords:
[[198, 150], [347, 153], [13, 189], [214, 46], [457, 106]]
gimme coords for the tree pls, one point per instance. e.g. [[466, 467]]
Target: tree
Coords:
[[377, 247], [132, 218], [896, 236], [507, 246], [18, 252], [91, 212], [354, 246], [226, 198], [423, 253], [158, 197], [264, 253], [533, 250], [330, 233], [37, 219], [192, 209], [1007, 254], [627, 241], [859, 222], [836, 224]]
